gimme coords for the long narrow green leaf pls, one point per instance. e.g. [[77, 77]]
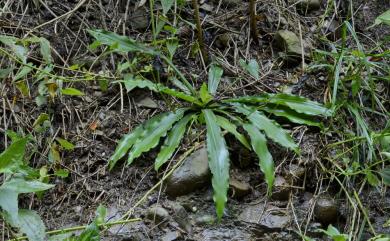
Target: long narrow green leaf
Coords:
[[271, 128], [218, 161], [232, 128], [172, 141], [124, 145], [215, 74], [293, 116], [134, 82], [259, 145], [297, 103], [121, 43], [152, 133]]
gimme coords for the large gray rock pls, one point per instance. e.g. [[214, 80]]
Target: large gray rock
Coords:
[[290, 45], [267, 218], [192, 175]]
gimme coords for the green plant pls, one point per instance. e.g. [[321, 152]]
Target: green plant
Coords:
[[355, 75], [24, 72], [20, 179], [252, 113]]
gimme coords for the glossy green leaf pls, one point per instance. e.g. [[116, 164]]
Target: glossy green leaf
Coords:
[[383, 18], [155, 128], [5, 72], [125, 144], [385, 174], [218, 161], [120, 43], [31, 224], [72, 91], [20, 185], [13, 155], [215, 75], [10, 190], [66, 145], [204, 94], [23, 72], [271, 128], [179, 94], [9, 204], [232, 129], [296, 103], [259, 145], [134, 82], [172, 141], [252, 67], [372, 178], [292, 116]]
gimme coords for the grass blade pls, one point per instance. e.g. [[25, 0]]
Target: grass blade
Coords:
[[292, 116], [259, 145], [172, 141], [218, 161], [153, 131], [232, 129]]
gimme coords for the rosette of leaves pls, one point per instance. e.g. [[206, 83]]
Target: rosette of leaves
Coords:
[[253, 113]]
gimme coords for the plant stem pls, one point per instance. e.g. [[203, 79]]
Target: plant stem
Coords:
[[252, 21], [199, 31], [72, 229], [151, 4]]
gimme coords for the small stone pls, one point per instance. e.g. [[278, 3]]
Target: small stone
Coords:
[[308, 5], [267, 217], [325, 210], [139, 19], [222, 40], [147, 102], [205, 220], [192, 175], [157, 214], [296, 172], [289, 43], [170, 236], [239, 189], [281, 189], [180, 215], [207, 7]]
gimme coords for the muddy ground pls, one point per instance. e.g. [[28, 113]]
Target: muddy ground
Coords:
[[305, 197]]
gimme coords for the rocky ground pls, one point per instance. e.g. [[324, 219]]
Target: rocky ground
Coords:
[[304, 197]]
